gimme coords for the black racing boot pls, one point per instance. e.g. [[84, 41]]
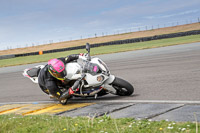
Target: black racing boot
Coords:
[[65, 96]]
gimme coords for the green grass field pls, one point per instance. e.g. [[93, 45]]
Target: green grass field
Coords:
[[102, 50], [104, 124]]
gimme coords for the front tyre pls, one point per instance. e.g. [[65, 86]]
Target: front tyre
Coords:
[[122, 87]]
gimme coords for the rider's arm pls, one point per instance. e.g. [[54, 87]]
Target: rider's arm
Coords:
[[71, 58]]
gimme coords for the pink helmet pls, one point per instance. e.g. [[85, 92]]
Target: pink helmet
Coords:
[[57, 69]]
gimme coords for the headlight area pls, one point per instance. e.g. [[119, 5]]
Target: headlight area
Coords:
[[100, 78]]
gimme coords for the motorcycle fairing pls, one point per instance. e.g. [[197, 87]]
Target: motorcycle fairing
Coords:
[[90, 92], [92, 68], [32, 73]]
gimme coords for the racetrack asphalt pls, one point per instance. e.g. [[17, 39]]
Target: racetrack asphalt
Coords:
[[166, 82]]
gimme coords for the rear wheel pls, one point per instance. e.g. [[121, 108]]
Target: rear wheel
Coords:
[[122, 87]]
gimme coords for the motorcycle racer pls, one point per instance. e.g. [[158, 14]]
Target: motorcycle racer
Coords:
[[53, 73], [79, 76]]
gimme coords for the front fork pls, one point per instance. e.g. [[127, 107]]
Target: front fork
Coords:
[[108, 85]]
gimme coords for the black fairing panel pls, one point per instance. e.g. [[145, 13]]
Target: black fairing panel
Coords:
[[33, 72]]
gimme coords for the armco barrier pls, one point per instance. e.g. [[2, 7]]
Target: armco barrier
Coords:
[[143, 39], [134, 40], [7, 56]]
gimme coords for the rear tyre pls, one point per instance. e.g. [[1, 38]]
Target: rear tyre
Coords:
[[122, 87]]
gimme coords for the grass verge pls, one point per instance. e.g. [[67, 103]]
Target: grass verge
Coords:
[[102, 50], [104, 124]]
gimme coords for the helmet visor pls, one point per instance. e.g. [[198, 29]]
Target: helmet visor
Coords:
[[59, 76]]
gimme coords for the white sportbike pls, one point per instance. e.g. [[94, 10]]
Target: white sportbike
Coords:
[[91, 76]]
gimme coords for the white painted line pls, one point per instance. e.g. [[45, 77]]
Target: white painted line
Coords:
[[152, 101], [110, 101]]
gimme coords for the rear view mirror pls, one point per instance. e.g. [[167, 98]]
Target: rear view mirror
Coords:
[[88, 47]]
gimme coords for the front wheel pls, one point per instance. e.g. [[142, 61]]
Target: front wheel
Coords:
[[123, 88]]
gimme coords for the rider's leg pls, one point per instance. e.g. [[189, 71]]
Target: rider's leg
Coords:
[[45, 90]]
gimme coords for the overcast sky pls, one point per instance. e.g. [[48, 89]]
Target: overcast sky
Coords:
[[28, 22]]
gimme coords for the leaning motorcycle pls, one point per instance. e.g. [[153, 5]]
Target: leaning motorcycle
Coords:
[[90, 75]]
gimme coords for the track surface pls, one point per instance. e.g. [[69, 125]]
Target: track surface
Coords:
[[168, 73]]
